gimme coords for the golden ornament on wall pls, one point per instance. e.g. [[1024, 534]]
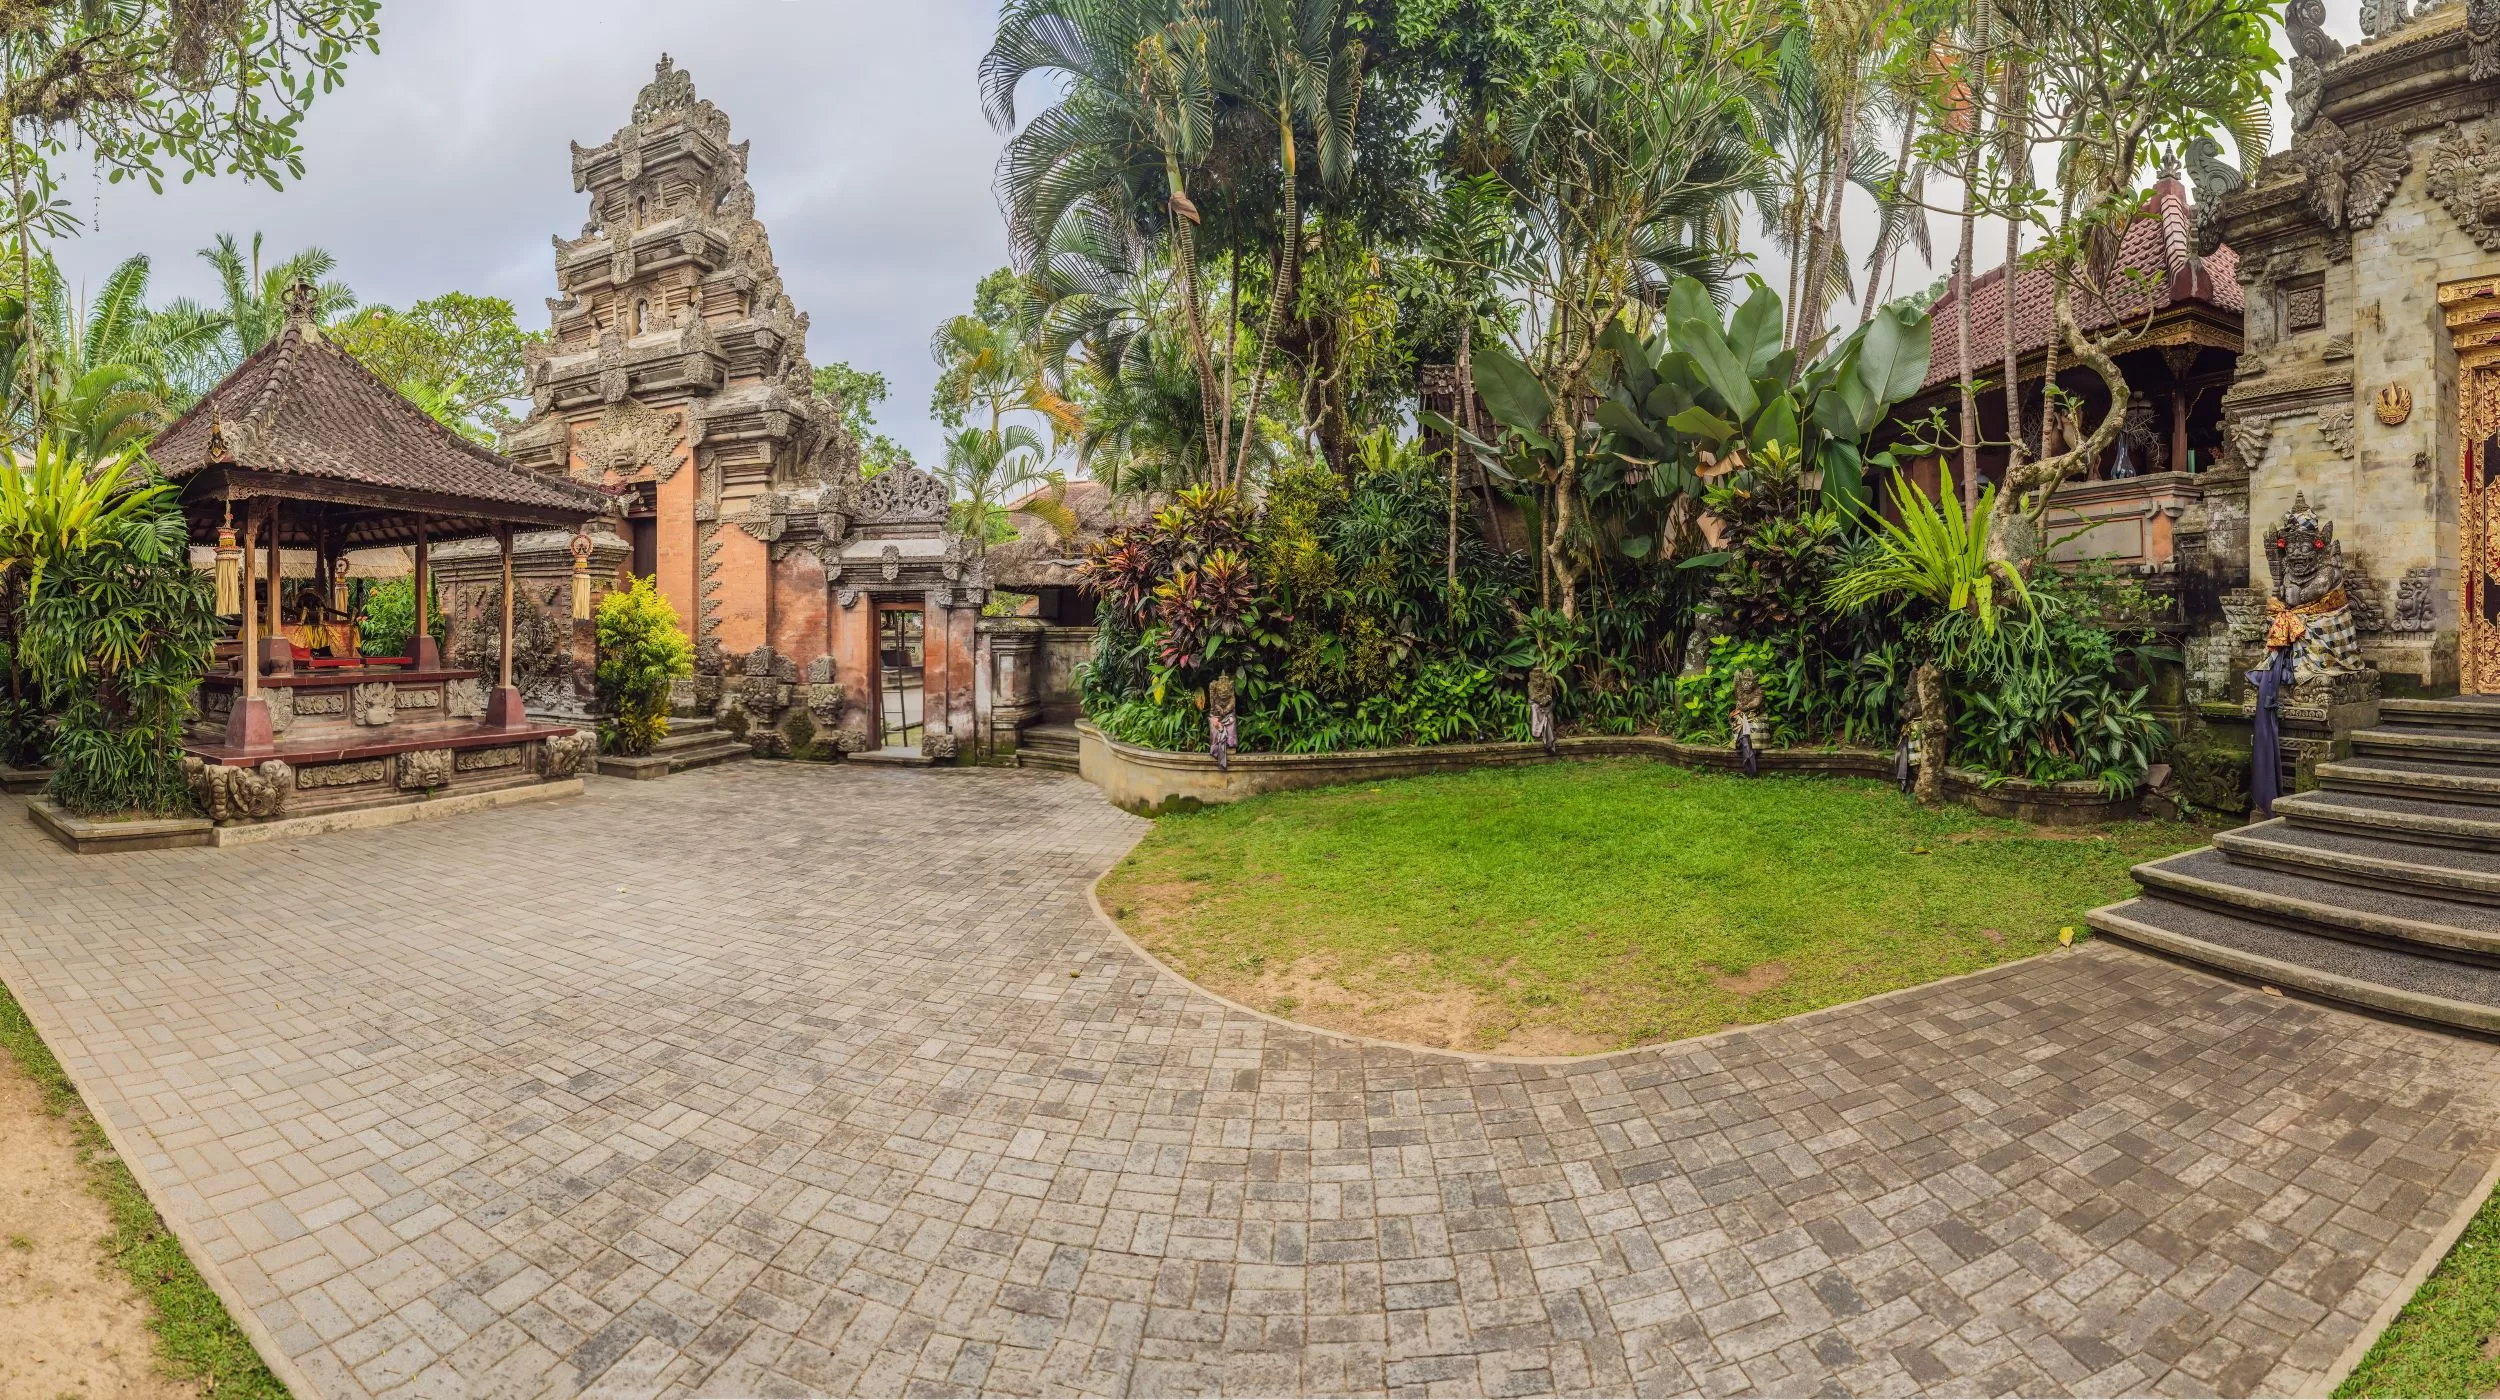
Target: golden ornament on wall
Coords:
[[2395, 404]]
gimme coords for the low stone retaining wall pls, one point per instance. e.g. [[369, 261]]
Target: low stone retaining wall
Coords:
[[1148, 781]]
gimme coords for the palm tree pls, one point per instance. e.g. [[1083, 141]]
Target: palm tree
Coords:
[[984, 465], [254, 296], [1281, 58], [143, 366]]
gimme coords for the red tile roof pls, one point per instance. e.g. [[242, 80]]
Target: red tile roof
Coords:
[[2163, 245]]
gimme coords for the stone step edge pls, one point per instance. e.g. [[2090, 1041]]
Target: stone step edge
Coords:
[[2348, 777], [2253, 846], [2112, 920], [2318, 917], [645, 767], [2320, 816], [2399, 742]]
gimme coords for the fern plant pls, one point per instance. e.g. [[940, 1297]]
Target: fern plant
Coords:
[[1935, 554]]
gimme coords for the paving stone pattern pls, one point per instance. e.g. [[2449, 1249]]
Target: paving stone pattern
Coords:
[[774, 1080]]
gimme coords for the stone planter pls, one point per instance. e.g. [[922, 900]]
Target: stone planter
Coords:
[[23, 780], [89, 837], [2042, 804]]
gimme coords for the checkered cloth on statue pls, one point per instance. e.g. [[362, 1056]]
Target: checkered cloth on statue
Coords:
[[2320, 634]]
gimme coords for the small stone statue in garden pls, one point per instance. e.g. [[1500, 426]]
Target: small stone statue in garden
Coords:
[[1223, 729], [1745, 719], [1933, 726], [2308, 610], [1541, 691]]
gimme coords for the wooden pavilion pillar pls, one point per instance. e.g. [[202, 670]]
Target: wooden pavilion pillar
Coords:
[[503, 708], [2181, 359], [277, 654], [423, 651], [247, 725]]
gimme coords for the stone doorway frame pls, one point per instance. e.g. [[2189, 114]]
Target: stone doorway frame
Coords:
[[2471, 310], [904, 736]]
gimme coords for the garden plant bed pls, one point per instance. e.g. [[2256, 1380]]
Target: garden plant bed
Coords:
[[1574, 909]]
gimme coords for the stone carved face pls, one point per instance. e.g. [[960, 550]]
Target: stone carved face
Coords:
[[1220, 698], [2302, 553]]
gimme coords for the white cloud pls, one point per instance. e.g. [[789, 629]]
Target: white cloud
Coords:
[[443, 163]]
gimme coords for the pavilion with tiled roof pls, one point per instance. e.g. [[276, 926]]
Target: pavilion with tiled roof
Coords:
[[2185, 311], [303, 447]]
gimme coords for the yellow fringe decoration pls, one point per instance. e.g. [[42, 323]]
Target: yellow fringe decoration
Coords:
[[229, 570]]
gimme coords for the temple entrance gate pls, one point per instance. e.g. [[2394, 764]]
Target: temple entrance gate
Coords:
[[2471, 309], [901, 665]]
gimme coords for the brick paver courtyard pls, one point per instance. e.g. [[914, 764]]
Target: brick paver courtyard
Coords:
[[785, 1080]]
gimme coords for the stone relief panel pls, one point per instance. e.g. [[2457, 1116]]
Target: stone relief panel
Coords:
[[902, 496]]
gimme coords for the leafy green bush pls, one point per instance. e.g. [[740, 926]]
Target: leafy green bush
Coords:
[[390, 618], [119, 637], [640, 653]]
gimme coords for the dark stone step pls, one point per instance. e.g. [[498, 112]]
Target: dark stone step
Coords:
[[2459, 824], [1047, 761], [2463, 712], [2370, 861], [2412, 777], [2434, 927], [664, 761], [2359, 974], [2440, 743]]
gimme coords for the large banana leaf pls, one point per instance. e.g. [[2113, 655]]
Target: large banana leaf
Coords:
[[1510, 389]]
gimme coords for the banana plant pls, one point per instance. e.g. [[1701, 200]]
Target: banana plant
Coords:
[[1698, 401]]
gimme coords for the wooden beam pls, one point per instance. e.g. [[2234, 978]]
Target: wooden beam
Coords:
[[251, 643], [503, 537]]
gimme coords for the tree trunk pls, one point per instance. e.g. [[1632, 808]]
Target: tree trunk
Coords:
[[1465, 401], [1827, 231], [2015, 151], [1232, 347], [1961, 328], [1185, 252], [2014, 536], [1289, 258]]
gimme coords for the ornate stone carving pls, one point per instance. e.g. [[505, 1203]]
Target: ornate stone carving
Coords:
[[371, 770], [2459, 174], [376, 703], [2304, 308], [2246, 436], [420, 699], [2351, 173], [334, 703], [890, 563], [2211, 175], [671, 95], [231, 794], [2417, 607], [2482, 38], [281, 700], [2304, 23], [902, 495], [2309, 611], [824, 702], [464, 699], [483, 760], [566, 755], [628, 438], [936, 744], [820, 671], [2394, 404], [2335, 425], [2380, 18], [425, 768]]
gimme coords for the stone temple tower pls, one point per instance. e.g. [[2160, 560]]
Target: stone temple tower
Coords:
[[677, 373]]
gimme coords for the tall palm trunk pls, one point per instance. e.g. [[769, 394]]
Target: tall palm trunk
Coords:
[[1827, 232], [1288, 261], [1888, 252], [1961, 324], [1185, 252], [2013, 148]]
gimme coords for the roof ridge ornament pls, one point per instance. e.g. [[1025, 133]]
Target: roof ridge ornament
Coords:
[[302, 308]]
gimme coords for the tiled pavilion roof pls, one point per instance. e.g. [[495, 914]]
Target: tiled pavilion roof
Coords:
[[2162, 242], [303, 420]]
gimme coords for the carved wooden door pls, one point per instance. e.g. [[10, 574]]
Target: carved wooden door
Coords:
[[2472, 310]]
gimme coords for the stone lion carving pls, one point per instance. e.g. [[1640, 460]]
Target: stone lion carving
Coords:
[[2309, 610], [231, 794], [566, 755]]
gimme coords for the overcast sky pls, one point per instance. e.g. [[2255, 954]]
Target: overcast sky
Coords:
[[444, 164]]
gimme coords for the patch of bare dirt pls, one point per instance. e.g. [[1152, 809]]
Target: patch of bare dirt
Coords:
[[75, 1328], [1753, 981]]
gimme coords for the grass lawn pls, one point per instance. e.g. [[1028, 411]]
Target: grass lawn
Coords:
[[1570, 908], [2447, 1340]]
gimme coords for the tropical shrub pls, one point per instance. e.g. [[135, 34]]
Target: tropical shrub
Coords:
[[1934, 554], [118, 638], [641, 651], [390, 618]]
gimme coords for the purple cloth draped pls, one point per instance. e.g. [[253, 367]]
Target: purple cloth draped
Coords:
[[2265, 749]]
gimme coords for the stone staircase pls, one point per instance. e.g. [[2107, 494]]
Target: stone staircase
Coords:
[[691, 743], [2381, 889], [1051, 746]]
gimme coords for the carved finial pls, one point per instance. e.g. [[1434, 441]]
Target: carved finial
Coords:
[[301, 300]]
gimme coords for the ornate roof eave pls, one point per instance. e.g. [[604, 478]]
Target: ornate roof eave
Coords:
[[2185, 323]]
